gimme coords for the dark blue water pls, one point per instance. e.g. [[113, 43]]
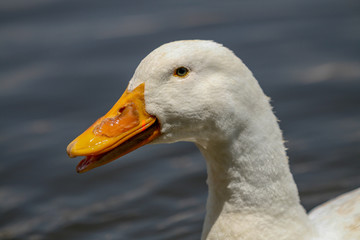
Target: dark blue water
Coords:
[[64, 63]]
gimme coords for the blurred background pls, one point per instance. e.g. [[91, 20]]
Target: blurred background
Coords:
[[64, 63]]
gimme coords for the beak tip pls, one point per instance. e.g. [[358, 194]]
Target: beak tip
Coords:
[[69, 150]]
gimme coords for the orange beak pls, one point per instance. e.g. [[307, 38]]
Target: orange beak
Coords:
[[126, 127]]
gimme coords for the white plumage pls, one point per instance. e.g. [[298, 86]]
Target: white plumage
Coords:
[[221, 108]]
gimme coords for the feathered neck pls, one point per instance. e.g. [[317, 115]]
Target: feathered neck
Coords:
[[252, 194]]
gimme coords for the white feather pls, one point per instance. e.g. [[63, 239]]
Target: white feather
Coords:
[[220, 106]]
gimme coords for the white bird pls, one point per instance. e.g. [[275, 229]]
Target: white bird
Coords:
[[199, 91]]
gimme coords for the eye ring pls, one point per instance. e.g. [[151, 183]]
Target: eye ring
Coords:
[[181, 72]]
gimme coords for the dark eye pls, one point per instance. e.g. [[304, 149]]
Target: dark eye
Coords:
[[181, 72]]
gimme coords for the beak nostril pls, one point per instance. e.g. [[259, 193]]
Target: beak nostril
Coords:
[[119, 124], [122, 109]]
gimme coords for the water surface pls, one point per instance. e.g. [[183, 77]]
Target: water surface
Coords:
[[64, 63]]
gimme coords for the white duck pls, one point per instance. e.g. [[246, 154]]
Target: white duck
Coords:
[[199, 91]]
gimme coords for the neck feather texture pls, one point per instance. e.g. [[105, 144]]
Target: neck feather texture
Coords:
[[252, 194]]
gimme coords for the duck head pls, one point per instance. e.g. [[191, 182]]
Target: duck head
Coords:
[[190, 90]]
